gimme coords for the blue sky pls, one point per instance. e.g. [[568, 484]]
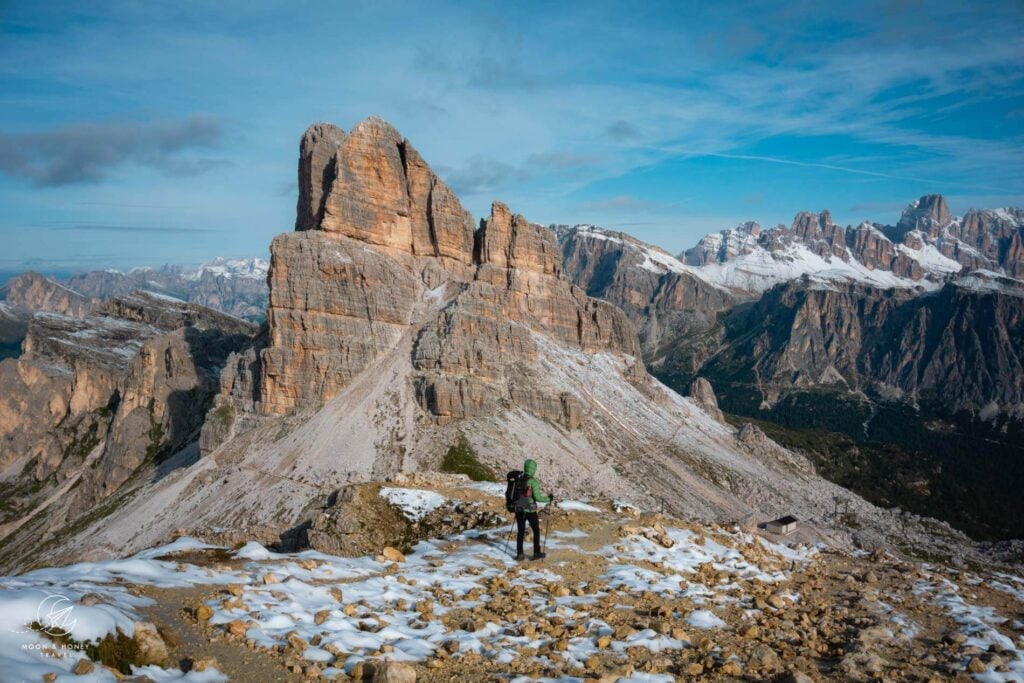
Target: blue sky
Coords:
[[147, 133]]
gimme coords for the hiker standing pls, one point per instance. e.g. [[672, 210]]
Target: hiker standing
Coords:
[[526, 511]]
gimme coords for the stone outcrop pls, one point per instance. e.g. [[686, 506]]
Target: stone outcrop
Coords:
[[335, 306], [819, 232], [373, 186], [704, 395], [929, 214]]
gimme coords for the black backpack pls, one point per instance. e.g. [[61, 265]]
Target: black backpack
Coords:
[[515, 490]]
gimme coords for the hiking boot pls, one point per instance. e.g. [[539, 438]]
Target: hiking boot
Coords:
[[539, 556], [520, 557]]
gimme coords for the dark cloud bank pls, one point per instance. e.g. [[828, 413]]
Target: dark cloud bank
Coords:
[[85, 153]]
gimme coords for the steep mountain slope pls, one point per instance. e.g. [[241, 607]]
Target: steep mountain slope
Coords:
[[666, 300], [396, 329], [93, 399]]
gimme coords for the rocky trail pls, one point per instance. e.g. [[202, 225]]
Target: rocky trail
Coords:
[[621, 596]]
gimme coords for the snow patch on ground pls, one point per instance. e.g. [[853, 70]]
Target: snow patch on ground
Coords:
[[52, 597], [978, 623], [576, 506], [492, 488], [704, 619], [415, 504]]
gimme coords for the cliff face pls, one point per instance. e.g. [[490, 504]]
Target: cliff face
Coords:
[[959, 347]]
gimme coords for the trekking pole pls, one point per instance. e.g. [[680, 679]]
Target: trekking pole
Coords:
[[547, 525], [508, 537]]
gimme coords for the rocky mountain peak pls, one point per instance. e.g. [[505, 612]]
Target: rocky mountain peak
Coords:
[[36, 292], [511, 241], [928, 214], [384, 252], [808, 225], [372, 185]]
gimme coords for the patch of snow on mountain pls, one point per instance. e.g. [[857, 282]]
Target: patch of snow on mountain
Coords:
[[166, 297], [492, 488], [989, 281], [703, 619], [54, 596], [979, 623], [576, 506], [1007, 215], [761, 269], [254, 268], [931, 259]]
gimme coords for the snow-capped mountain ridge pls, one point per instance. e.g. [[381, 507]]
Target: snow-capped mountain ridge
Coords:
[[234, 285], [927, 247], [252, 267], [228, 266]]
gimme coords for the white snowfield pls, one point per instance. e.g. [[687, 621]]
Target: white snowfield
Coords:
[[762, 269]]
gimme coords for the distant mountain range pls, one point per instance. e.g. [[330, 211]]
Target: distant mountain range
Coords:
[[923, 249], [901, 346], [233, 285], [237, 286]]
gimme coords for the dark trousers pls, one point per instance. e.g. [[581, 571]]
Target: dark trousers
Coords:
[[522, 517]]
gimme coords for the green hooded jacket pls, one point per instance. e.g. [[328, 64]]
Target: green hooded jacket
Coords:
[[533, 485]]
